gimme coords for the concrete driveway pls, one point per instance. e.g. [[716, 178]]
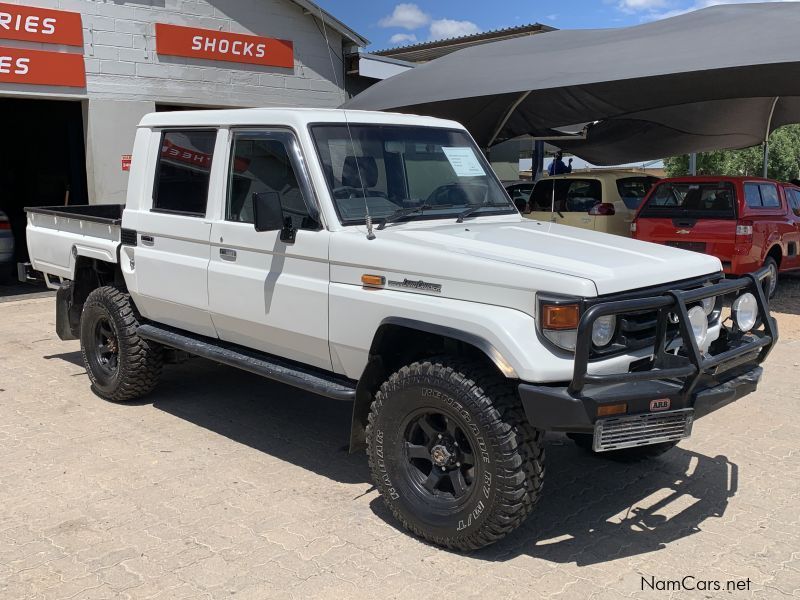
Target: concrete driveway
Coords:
[[225, 485]]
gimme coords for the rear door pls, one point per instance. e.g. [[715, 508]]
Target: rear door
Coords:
[[172, 252], [793, 236], [698, 216]]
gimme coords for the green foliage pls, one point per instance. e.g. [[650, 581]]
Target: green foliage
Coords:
[[784, 159]]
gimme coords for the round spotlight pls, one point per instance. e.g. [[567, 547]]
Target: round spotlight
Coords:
[[603, 330], [745, 311], [709, 304], [699, 323]]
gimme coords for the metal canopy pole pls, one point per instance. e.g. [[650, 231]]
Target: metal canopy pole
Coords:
[[693, 164], [507, 116], [766, 136]]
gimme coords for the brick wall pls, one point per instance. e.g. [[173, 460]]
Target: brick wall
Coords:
[[121, 61]]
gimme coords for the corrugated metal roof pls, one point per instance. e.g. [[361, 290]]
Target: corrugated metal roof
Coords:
[[426, 51]]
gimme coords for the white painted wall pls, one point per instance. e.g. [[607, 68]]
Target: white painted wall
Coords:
[[126, 77]]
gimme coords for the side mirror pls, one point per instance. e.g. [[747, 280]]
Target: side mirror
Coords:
[[268, 215]]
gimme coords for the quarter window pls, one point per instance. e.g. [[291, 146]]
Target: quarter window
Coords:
[[183, 172], [761, 195], [261, 164]]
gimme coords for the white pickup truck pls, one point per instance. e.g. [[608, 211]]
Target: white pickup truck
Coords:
[[375, 258]]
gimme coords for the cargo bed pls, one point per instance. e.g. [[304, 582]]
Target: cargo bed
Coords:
[[57, 234]]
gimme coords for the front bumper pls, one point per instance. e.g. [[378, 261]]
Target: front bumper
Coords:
[[691, 380], [555, 408]]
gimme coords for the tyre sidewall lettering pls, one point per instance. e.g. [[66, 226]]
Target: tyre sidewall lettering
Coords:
[[388, 435]]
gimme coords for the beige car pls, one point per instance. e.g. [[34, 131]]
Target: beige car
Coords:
[[601, 200]]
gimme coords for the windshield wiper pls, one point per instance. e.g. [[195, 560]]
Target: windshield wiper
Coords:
[[477, 207], [402, 213]]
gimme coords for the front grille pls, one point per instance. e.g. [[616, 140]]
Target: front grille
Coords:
[[640, 430]]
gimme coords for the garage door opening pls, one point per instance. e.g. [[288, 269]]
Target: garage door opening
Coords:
[[42, 159]]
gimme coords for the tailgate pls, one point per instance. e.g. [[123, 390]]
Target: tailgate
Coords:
[[700, 217]]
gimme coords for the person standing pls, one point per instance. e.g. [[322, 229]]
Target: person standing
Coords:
[[557, 167]]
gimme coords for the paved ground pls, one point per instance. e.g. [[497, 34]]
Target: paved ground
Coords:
[[224, 485]]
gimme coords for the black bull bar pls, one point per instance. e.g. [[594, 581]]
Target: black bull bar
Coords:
[[691, 378]]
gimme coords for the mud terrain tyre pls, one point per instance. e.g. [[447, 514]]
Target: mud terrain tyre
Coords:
[[121, 365], [452, 454], [584, 440]]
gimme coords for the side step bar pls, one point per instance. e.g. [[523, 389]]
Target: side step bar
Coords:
[[283, 371]]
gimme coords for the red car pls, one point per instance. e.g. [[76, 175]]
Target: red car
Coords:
[[746, 222]]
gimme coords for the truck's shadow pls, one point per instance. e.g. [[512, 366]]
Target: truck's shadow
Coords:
[[592, 510]]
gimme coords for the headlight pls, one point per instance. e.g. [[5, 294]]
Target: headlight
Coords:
[[603, 330], [709, 304], [745, 311], [699, 323]]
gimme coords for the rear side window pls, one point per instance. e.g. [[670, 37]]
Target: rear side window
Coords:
[[761, 195], [571, 195], [632, 190], [711, 200], [184, 171]]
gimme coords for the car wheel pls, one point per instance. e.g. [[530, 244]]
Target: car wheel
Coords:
[[771, 282], [452, 453], [121, 365]]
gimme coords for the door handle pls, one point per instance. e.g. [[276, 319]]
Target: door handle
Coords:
[[147, 240], [227, 254]]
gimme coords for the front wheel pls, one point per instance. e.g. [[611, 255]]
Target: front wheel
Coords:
[[452, 454], [121, 365]]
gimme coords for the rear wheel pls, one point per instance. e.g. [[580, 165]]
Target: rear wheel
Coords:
[[452, 454], [771, 282], [584, 440], [121, 365]]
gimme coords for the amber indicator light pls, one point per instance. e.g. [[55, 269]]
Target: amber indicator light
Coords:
[[373, 280], [612, 409], [564, 316]]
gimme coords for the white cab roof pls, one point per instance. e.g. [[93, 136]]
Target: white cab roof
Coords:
[[296, 117]]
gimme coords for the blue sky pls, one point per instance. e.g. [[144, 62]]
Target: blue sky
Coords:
[[389, 23]]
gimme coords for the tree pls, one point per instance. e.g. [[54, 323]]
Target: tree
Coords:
[[784, 159]]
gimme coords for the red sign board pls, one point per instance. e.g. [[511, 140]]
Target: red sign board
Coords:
[[40, 25], [37, 67], [176, 40], [126, 162]]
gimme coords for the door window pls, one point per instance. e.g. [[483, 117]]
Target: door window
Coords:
[[794, 200], [542, 196], [183, 172], [261, 164]]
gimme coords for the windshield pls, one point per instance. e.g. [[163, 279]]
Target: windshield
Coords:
[[632, 190], [712, 200], [395, 167]]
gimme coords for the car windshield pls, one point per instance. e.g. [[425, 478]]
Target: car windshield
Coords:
[[711, 200], [390, 168], [632, 190]]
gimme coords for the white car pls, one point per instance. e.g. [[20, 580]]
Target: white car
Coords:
[[375, 258]]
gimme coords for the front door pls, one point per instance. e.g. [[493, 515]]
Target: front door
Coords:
[[568, 204], [265, 293]]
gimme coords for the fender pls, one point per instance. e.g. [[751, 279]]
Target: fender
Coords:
[[462, 336], [376, 371]]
